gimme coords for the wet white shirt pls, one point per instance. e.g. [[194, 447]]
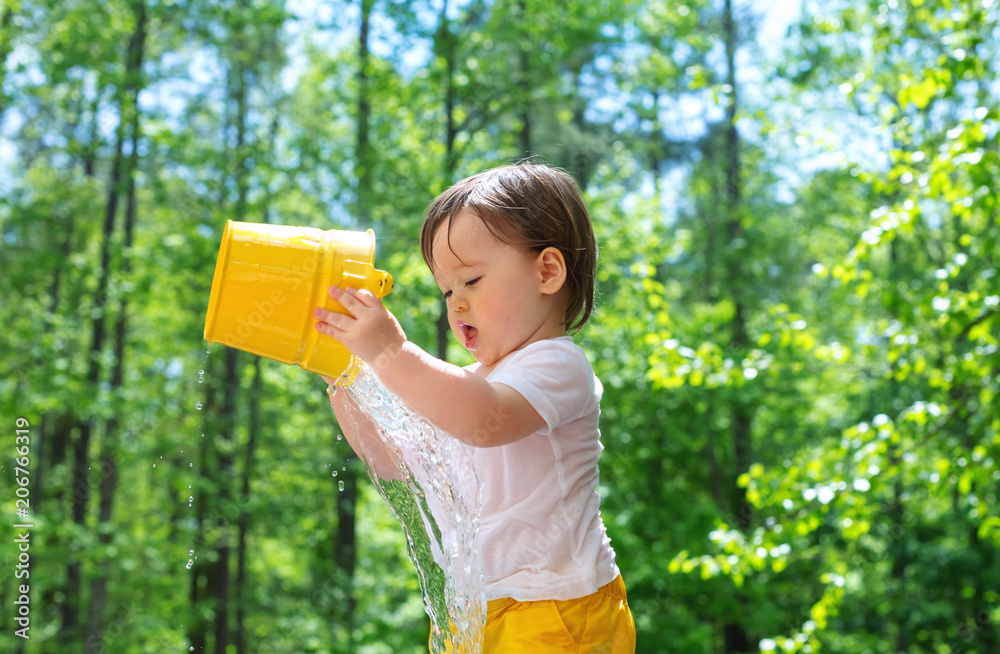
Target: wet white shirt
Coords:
[[540, 531]]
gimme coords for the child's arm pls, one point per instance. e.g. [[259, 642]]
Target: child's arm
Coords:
[[363, 436], [453, 399]]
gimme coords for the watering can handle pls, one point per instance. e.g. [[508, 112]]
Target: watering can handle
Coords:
[[358, 274]]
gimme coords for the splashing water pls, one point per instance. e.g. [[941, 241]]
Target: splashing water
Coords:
[[437, 504]]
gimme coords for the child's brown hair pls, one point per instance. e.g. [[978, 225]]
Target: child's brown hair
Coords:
[[532, 206]]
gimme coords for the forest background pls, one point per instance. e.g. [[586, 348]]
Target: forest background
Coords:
[[797, 322]]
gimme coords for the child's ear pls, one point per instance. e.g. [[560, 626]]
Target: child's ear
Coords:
[[551, 270]]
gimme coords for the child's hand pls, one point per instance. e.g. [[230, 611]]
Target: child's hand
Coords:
[[369, 332]]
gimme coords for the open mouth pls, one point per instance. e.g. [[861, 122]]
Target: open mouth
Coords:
[[469, 334]]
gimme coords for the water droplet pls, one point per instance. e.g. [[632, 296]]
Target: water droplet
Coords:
[[340, 437], [201, 372], [191, 499], [191, 649], [190, 552], [198, 406], [334, 473], [344, 468], [154, 465], [191, 465], [340, 485], [190, 563]]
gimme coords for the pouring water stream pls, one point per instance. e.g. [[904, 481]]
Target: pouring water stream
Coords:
[[436, 500]]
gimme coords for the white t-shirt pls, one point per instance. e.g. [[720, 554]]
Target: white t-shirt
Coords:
[[540, 531]]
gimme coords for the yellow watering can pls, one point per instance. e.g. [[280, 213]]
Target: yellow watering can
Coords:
[[269, 278]]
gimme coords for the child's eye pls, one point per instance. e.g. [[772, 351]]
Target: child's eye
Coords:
[[471, 282]]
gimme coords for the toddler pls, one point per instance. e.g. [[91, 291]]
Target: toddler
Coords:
[[513, 251]]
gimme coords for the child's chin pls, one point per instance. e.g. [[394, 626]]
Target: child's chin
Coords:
[[483, 358]]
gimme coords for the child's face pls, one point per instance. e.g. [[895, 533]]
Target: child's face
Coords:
[[496, 302]]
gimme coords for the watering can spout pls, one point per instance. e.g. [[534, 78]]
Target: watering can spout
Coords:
[[268, 278]]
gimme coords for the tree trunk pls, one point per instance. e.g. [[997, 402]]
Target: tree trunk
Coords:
[[200, 569], [656, 156], [445, 36], [53, 431], [210, 581], [345, 542], [524, 67], [108, 472], [734, 634], [253, 432], [715, 478], [586, 156], [253, 429], [6, 18], [345, 549], [238, 86], [51, 497], [227, 428], [741, 417], [81, 447], [362, 155], [90, 149]]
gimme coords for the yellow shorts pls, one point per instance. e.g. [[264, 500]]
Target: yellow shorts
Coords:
[[596, 624]]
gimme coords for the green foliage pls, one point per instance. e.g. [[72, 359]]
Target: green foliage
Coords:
[[798, 338]]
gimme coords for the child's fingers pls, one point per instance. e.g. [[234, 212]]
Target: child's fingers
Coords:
[[350, 296], [339, 294], [325, 328], [327, 316], [331, 323], [335, 328], [365, 297], [342, 297]]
